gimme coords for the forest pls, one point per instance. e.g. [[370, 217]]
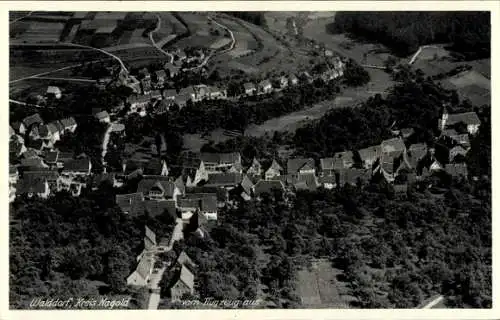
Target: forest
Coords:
[[468, 32]]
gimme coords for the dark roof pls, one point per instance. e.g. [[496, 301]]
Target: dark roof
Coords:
[[221, 193], [56, 156], [467, 118], [294, 165], [372, 153], [68, 122], [306, 182], [33, 163], [99, 178], [351, 176], [49, 175], [156, 208], [456, 169], [150, 235], [266, 186], [131, 203], [30, 186], [77, 165], [161, 73], [339, 161], [247, 184], [231, 157], [32, 119], [224, 179], [154, 166], [149, 182], [400, 188], [12, 169]]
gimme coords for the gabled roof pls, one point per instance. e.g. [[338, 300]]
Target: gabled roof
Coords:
[[33, 163], [77, 165], [224, 179], [186, 277], [33, 119], [466, 117], [99, 178], [150, 235], [187, 91], [131, 203], [49, 175], [393, 145], [370, 153], [449, 132], [102, 115], [230, 157], [169, 93], [184, 259], [156, 208], [149, 182], [36, 186], [294, 165], [179, 183], [461, 138], [154, 166], [209, 203], [249, 86], [306, 182], [266, 186], [161, 73], [417, 151], [145, 266], [255, 167], [247, 184], [11, 131], [275, 166], [339, 161], [265, 83]]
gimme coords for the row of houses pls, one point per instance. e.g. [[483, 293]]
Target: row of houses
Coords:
[[153, 94]]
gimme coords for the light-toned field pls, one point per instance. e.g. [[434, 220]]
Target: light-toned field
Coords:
[[38, 32], [468, 78], [318, 287]]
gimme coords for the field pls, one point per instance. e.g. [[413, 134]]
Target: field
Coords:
[[37, 31], [471, 85], [202, 31], [319, 287], [169, 26], [194, 142]]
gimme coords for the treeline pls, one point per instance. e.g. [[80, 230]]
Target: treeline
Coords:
[[255, 17], [75, 247], [468, 32]]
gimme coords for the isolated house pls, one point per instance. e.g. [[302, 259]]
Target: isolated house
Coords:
[[103, 116], [470, 119], [54, 92]]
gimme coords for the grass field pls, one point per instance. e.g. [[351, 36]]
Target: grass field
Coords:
[[318, 287]]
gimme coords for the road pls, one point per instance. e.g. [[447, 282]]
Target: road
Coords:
[[231, 46], [27, 104], [105, 142], [158, 26], [432, 303], [64, 79]]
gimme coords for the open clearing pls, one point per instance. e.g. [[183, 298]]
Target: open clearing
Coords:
[[194, 142], [318, 287], [292, 121]]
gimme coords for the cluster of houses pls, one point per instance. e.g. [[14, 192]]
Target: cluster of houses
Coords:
[[151, 95], [151, 266]]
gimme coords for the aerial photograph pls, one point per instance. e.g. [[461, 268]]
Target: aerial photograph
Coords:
[[249, 160]]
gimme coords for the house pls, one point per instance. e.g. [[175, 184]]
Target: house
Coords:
[[405, 133], [393, 147], [33, 164], [200, 175], [171, 69], [103, 116], [283, 82], [306, 181], [181, 100], [100, 178], [51, 176], [414, 155], [149, 239], [158, 188], [77, 167], [249, 88], [205, 203], [159, 207], [456, 169], [50, 132], [293, 80], [217, 93], [160, 77], [32, 120], [169, 94], [401, 190], [368, 156], [328, 182], [224, 179], [275, 170], [255, 168], [37, 187], [16, 147], [179, 183], [268, 186], [69, 124], [19, 127], [456, 151], [300, 166], [183, 285], [189, 93], [470, 119], [156, 167], [202, 92], [184, 260], [220, 162], [353, 176], [246, 188], [57, 158], [132, 167], [54, 92], [131, 203], [340, 160], [139, 103], [141, 275], [265, 86]]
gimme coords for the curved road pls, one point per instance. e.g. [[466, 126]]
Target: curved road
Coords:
[[158, 26]]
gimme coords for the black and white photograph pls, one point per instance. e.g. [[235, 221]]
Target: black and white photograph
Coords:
[[214, 160]]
